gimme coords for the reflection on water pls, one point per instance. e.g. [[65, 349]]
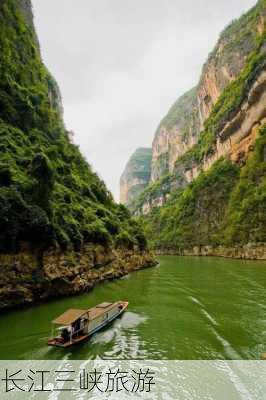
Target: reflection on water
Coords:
[[187, 308]]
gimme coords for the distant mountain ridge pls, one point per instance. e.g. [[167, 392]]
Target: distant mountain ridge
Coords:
[[136, 175]]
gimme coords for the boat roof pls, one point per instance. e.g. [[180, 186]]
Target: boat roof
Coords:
[[104, 305], [69, 316], [100, 309]]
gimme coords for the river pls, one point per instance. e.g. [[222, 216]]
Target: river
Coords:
[[185, 308]]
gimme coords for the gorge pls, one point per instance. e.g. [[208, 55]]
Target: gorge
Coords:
[[198, 190]]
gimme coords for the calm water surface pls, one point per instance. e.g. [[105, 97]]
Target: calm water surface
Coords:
[[185, 308]]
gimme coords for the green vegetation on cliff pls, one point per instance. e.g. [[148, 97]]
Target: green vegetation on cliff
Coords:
[[239, 37], [225, 109], [246, 213], [226, 205], [193, 216], [48, 192], [181, 113], [161, 188], [228, 105], [237, 41], [241, 51], [136, 175]]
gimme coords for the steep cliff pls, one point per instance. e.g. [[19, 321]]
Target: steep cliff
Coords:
[[180, 129], [207, 189], [214, 119], [60, 230], [136, 175]]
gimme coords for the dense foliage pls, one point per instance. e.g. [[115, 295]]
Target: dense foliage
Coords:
[[226, 205], [246, 213], [48, 192], [160, 188], [193, 216]]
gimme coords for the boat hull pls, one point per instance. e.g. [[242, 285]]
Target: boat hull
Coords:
[[82, 338]]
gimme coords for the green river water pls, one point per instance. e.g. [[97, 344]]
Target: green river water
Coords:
[[184, 308]]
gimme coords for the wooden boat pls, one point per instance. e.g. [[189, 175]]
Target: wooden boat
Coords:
[[75, 326]]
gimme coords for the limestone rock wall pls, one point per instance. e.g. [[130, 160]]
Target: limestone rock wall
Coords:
[[181, 127], [30, 277], [235, 141]]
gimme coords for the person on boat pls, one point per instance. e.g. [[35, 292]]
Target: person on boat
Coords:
[[65, 335], [82, 325], [77, 327], [72, 330]]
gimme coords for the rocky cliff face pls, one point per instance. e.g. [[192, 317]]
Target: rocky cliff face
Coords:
[[234, 142], [236, 139], [177, 132], [202, 118], [221, 212], [207, 189], [29, 277], [181, 127], [60, 230], [136, 175]]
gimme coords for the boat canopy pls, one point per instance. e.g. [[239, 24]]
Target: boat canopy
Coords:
[[69, 316], [100, 309], [72, 315], [104, 305]]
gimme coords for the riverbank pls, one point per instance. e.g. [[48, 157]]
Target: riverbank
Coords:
[[245, 252], [31, 277]]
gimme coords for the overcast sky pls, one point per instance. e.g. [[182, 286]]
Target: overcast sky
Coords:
[[120, 65]]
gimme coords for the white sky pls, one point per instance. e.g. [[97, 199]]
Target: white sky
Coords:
[[120, 65]]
